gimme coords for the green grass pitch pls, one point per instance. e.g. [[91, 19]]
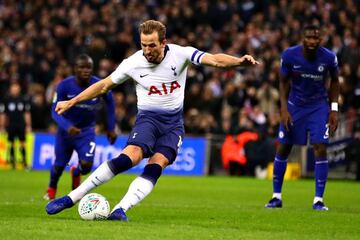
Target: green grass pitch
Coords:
[[184, 208]]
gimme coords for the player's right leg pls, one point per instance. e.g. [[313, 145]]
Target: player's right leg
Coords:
[[140, 187], [279, 170], [105, 172], [165, 152], [63, 152]]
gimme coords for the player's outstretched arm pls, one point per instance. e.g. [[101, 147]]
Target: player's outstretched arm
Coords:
[[225, 61], [94, 90]]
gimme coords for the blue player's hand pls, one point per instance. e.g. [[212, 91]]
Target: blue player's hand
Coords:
[[286, 119], [111, 136], [333, 122], [72, 131]]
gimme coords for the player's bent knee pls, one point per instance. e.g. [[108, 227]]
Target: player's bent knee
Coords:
[[85, 167], [135, 153], [320, 150], [163, 156], [58, 170]]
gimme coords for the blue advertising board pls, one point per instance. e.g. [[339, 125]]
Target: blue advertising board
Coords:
[[191, 158], [335, 154]]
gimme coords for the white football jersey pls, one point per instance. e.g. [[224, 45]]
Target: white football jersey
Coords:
[[159, 87]]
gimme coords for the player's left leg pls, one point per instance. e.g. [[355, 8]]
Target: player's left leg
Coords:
[[321, 173], [85, 146], [143, 184], [319, 138]]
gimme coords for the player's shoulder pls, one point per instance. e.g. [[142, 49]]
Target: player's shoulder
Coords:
[[326, 52], [292, 50], [94, 79], [66, 83], [135, 57], [175, 48], [67, 80]]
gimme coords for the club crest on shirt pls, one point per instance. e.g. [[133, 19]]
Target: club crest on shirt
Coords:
[[321, 68]]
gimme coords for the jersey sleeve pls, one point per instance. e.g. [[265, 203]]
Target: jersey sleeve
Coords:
[[60, 95], [333, 65], [285, 64], [192, 54], [122, 72]]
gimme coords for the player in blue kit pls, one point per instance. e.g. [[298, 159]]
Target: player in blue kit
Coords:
[[305, 109], [76, 127], [159, 71]]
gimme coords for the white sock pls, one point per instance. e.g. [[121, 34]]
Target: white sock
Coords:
[[101, 175], [137, 191], [317, 199], [276, 195]]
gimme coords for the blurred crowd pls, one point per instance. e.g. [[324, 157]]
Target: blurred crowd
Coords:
[[40, 39]]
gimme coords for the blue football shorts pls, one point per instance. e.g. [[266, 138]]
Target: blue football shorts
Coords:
[[153, 132], [307, 120], [83, 144]]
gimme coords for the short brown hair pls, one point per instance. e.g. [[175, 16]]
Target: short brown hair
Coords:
[[150, 26]]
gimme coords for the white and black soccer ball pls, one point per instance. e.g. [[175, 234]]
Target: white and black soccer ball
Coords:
[[94, 206]]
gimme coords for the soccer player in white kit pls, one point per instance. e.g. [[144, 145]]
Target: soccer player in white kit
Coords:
[[159, 70]]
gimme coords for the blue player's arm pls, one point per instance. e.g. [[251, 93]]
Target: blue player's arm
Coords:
[[334, 90], [59, 119], [334, 84], [110, 110], [284, 89]]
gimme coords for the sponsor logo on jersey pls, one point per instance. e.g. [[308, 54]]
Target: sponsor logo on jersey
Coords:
[[165, 90]]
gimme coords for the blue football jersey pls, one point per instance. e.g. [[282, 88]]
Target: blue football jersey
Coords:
[[83, 114], [308, 78]]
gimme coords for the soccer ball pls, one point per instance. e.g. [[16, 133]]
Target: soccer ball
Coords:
[[94, 206]]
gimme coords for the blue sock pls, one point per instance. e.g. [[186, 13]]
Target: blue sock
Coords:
[[55, 174], [120, 164], [152, 172], [280, 164], [321, 173]]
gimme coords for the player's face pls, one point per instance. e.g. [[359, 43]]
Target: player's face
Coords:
[[15, 90], [153, 49], [83, 69], [311, 40]]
